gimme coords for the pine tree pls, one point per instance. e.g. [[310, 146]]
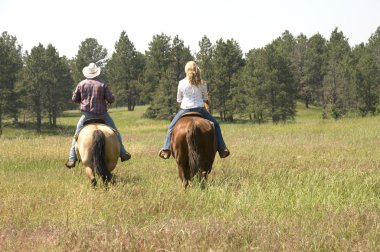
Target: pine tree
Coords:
[[164, 105], [312, 81], [374, 47], [180, 55], [374, 51], [367, 74], [367, 84], [273, 85], [204, 59], [124, 70], [58, 84], [10, 65], [228, 60], [300, 50], [283, 86], [35, 78], [339, 90], [253, 99], [158, 59], [89, 51]]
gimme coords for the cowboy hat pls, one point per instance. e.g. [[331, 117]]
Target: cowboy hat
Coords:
[[91, 71]]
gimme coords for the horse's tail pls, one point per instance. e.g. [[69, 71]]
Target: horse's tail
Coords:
[[98, 155], [192, 136]]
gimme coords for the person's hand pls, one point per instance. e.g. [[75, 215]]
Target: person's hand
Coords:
[[207, 106]]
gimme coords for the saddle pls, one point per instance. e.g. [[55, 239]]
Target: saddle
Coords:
[[192, 114], [93, 121], [197, 114]]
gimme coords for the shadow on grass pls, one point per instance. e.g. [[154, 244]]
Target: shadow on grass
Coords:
[[126, 179], [238, 121], [46, 129], [71, 114]]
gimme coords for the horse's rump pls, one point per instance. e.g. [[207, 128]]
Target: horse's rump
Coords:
[[98, 148], [193, 145]]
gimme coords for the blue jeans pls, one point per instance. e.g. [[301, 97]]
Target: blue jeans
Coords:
[[108, 120], [205, 114]]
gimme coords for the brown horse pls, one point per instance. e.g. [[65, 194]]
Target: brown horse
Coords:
[[98, 148], [193, 145]]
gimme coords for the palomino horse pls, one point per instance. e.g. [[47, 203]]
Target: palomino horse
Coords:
[[193, 145], [98, 148]]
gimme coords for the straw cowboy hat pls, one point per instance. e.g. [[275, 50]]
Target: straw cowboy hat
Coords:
[[91, 71]]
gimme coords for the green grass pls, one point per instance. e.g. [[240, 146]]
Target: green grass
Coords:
[[312, 185]]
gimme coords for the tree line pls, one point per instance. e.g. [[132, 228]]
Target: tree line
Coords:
[[262, 85]]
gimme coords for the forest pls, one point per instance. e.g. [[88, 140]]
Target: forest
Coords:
[[260, 86]]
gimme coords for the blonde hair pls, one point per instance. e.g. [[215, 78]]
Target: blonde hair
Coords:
[[193, 73]]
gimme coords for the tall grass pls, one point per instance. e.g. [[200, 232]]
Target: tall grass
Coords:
[[309, 185]]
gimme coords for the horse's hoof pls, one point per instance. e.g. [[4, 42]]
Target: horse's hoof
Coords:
[[93, 182], [185, 185]]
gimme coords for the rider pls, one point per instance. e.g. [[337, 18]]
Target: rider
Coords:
[[192, 94], [93, 95]]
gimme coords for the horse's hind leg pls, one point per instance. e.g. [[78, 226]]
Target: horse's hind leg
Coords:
[[203, 179], [185, 181], [185, 184], [90, 174]]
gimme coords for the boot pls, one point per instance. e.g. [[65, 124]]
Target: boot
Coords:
[[125, 157], [70, 163], [165, 154], [224, 153]]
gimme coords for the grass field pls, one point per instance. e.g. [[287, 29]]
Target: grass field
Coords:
[[312, 185]]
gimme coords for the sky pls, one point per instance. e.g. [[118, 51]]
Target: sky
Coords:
[[251, 23]]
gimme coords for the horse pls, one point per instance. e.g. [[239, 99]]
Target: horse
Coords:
[[98, 148], [193, 145]]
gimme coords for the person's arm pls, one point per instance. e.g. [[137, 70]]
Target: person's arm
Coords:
[[110, 98], [205, 96], [179, 94], [207, 105], [204, 92], [76, 95]]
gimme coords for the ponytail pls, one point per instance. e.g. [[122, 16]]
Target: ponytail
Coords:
[[193, 73]]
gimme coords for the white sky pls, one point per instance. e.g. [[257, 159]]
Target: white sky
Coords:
[[252, 23]]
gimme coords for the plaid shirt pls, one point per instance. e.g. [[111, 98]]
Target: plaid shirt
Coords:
[[92, 96]]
